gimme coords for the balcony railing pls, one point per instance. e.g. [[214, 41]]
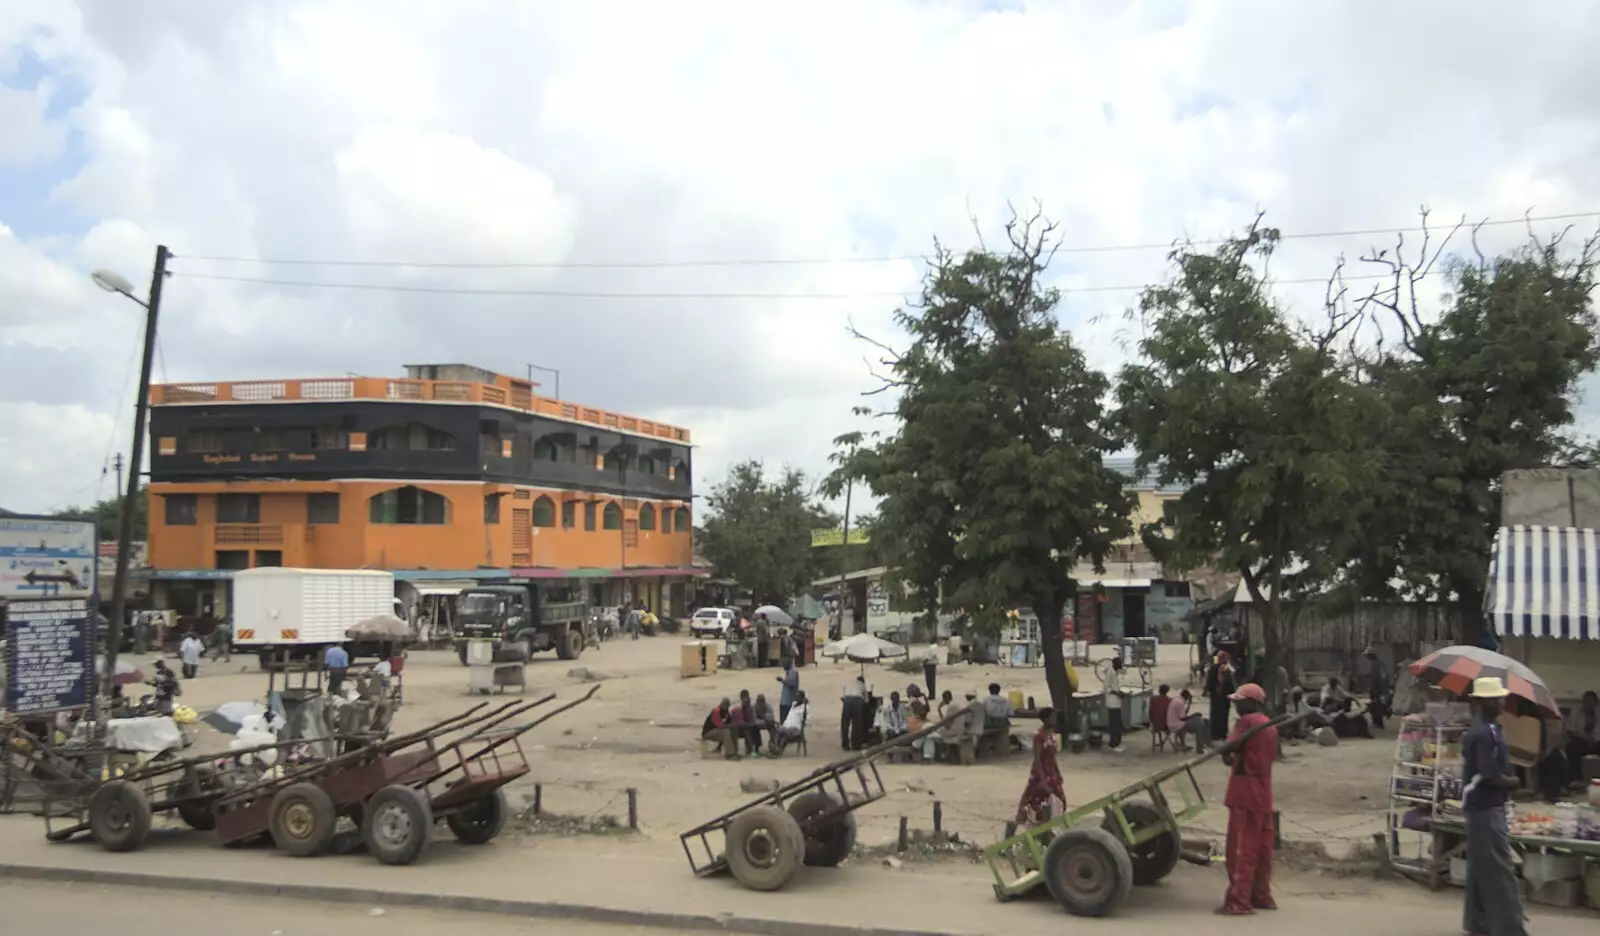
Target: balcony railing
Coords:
[[382, 388]]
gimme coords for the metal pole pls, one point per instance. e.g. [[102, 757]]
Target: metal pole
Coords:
[[130, 496], [551, 370], [843, 551]]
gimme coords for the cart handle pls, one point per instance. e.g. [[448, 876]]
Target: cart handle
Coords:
[[510, 736], [519, 709], [1227, 747]]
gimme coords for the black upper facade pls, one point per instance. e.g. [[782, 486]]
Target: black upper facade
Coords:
[[445, 441]]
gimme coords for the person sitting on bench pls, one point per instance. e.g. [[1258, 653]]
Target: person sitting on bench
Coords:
[[893, 720], [718, 727], [794, 724], [996, 710]]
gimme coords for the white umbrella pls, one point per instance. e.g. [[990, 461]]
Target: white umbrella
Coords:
[[863, 648]]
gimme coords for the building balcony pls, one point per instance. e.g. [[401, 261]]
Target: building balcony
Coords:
[[334, 389]]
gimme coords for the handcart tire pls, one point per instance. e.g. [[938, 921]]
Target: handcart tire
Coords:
[[482, 820], [1088, 871], [765, 848], [830, 845], [303, 820], [119, 816], [194, 810], [570, 646], [398, 825], [1153, 859]]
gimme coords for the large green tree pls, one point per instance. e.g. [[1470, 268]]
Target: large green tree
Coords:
[[107, 513], [1261, 418], [1484, 385], [992, 483], [758, 531]]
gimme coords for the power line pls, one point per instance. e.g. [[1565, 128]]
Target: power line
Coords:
[[893, 258], [592, 294]]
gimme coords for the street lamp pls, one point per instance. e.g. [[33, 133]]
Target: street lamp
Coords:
[[112, 281], [548, 370]]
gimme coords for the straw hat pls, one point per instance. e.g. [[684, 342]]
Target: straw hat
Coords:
[[1489, 687]]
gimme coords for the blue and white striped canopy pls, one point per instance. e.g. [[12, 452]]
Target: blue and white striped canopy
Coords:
[[1544, 581]]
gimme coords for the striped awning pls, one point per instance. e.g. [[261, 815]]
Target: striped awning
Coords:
[[1545, 582]]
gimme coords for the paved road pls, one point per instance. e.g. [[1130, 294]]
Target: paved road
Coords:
[[90, 910]]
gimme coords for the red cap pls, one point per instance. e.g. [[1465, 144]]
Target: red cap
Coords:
[[1250, 691]]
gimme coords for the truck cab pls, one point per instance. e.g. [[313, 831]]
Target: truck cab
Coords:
[[538, 616]]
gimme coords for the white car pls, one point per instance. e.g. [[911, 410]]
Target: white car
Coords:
[[713, 622]]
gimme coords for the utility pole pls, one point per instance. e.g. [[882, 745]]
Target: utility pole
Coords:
[[117, 464], [843, 551], [141, 412]]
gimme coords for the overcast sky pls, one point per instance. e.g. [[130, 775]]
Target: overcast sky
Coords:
[[586, 136]]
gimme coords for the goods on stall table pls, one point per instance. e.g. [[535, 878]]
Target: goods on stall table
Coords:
[[1576, 821], [1425, 785]]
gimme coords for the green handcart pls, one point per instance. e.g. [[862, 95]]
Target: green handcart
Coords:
[[1091, 867]]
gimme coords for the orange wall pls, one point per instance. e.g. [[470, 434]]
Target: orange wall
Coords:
[[463, 542]]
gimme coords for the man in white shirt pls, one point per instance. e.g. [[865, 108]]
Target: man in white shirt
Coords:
[[794, 723], [189, 652], [892, 718], [853, 714], [1114, 705], [930, 669]]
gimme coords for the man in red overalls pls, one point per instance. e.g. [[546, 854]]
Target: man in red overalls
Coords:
[[1249, 802]]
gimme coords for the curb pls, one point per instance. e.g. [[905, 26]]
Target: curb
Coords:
[[551, 910]]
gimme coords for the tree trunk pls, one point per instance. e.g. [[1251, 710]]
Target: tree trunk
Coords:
[[1055, 663], [1469, 616]]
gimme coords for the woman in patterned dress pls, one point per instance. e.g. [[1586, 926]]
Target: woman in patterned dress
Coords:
[[1044, 791]]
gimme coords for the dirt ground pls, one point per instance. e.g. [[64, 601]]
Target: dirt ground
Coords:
[[640, 732]]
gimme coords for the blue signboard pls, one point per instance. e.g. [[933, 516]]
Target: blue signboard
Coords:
[[45, 558], [48, 655]]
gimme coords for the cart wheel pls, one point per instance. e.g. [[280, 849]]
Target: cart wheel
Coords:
[[482, 820], [828, 846], [119, 816], [570, 646], [1153, 859], [195, 806], [765, 848], [1088, 871], [302, 820], [398, 825]]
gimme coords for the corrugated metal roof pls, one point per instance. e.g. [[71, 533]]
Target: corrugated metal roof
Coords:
[[1126, 465]]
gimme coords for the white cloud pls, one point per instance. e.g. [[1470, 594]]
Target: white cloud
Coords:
[[625, 130], [27, 137]]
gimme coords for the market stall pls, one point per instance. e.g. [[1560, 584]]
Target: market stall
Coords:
[[1425, 834]]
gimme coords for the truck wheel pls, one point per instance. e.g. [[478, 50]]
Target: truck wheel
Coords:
[[198, 794], [267, 660], [1153, 859], [569, 646], [481, 821], [461, 652], [1088, 871], [302, 820], [829, 845], [119, 816], [764, 848], [398, 825]]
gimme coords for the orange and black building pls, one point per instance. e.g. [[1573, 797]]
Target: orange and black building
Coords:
[[450, 476]]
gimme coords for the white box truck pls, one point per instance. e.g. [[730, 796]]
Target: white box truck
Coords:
[[277, 609]]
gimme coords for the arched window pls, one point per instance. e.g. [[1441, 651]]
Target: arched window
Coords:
[[645, 465], [681, 521], [612, 520], [408, 505], [647, 517], [412, 437], [666, 519], [544, 512], [546, 450]]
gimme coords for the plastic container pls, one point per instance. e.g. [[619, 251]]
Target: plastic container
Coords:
[[1541, 869], [1015, 698]]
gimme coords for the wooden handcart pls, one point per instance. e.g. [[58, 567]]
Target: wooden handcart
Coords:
[[395, 791], [1090, 868], [808, 822]]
